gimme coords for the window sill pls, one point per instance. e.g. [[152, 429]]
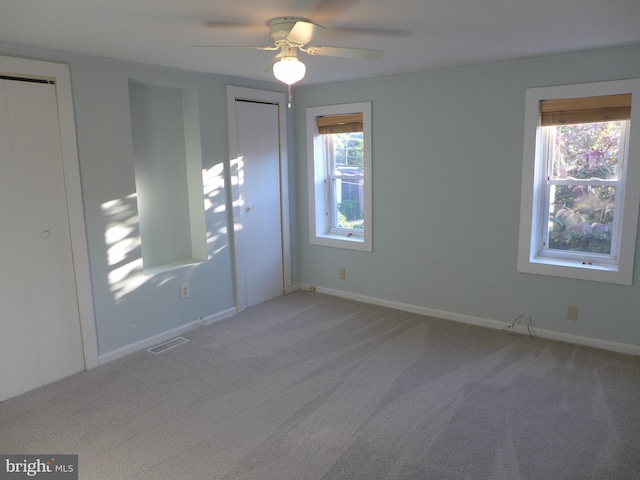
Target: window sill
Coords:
[[576, 270], [341, 241], [172, 266]]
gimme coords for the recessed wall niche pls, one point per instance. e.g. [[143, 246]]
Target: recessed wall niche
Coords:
[[168, 169]]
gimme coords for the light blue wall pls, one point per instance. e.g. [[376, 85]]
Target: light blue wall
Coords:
[[130, 307], [447, 164], [447, 155]]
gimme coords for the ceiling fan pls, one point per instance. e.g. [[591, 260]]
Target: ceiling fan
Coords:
[[292, 34]]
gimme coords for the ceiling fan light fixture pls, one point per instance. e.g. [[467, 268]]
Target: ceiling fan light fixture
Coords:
[[289, 70]]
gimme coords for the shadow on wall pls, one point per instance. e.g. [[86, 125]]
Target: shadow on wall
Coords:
[[123, 240]]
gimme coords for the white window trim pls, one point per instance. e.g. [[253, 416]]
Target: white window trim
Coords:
[[320, 228], [529, 261]]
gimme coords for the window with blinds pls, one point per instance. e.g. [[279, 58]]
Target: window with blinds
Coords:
[[580, 196], [340, 170], [604, 108], [345, 123]]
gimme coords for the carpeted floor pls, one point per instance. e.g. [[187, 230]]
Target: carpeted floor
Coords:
[[310, 386]]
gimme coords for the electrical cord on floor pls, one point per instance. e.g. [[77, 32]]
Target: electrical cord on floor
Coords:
[[517, 319]]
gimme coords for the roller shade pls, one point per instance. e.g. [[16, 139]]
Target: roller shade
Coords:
[[568, 111], [346, 123]]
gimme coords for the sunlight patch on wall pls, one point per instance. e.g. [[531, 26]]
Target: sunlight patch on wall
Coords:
[[213, 182], [215, 202], [122, 239], [237, 180]]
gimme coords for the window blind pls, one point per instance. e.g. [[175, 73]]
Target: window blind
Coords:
[[346, 123], [568, 111]]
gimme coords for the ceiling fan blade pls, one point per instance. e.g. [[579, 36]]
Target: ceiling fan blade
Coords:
[[254, 47], [355, 53], [302, 32]]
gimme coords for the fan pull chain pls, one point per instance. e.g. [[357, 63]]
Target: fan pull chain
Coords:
[[289, 104]]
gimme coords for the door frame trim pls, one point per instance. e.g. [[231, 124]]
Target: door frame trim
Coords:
[[60, 74], [277, 98]]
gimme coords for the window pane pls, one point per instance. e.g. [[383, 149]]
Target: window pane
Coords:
[[581, 218], [347, 181], [348, 149], [348, 202], [588, 150]]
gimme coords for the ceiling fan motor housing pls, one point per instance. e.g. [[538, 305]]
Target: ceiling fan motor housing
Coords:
[[281, 27]]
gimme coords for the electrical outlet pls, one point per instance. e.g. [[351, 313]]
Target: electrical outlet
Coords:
[[342, 274], [184, 291], [572, 313]]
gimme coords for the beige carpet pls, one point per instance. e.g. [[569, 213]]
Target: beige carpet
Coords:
[[310, 386]]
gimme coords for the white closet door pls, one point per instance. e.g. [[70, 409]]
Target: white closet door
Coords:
[[40, 339], [260, 197], [19, 362]]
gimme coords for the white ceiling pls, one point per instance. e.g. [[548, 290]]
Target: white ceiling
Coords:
[[416, 35]]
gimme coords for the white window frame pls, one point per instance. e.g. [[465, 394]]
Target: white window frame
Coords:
[[334, 192], [321, 230], [531, 258]]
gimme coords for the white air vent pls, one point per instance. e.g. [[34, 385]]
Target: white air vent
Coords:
[[168, 345]]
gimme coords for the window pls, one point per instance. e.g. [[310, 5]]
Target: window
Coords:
[[345, 161], [579, 208], [339, 155]]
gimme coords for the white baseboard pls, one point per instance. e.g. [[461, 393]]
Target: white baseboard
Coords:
[[216, 317], [293, 288], [483, 322], [164, 336]]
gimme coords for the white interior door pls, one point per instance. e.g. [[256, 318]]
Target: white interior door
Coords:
[[40, 339], [260, 234]]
